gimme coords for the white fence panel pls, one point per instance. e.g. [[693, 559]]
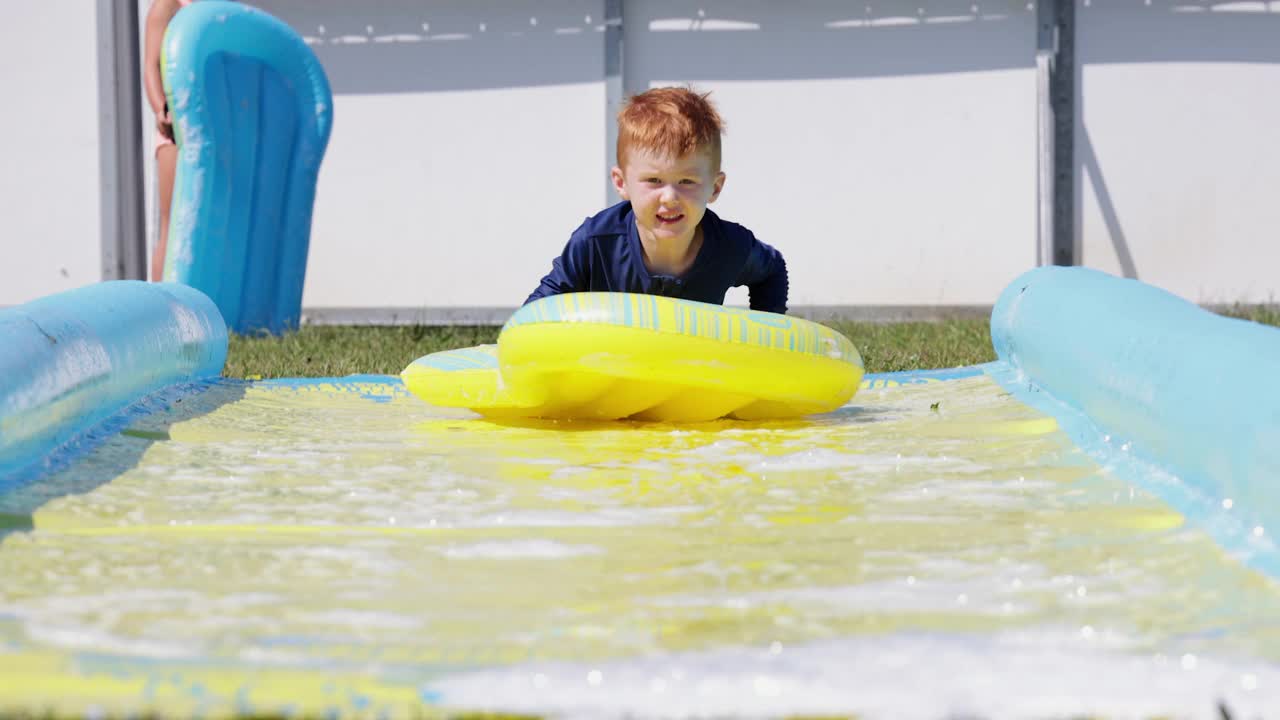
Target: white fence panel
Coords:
[[468, 143], [49, 175], [888, 149], [1178, 153]]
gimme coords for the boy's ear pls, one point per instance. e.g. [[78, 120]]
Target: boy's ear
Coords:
[[716, 187], [619, 182]]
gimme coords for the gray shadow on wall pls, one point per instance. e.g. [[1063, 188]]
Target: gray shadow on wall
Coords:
[[1196, 31], [412, 46], [730, 40], [395, 46], [1088, 164], [392, 46]]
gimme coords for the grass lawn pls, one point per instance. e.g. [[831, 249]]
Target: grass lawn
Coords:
[[334, 351]]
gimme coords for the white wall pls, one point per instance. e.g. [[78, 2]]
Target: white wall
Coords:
[[887, 149], [879, 148], [462, 154], [50, 224], [1178, 151]]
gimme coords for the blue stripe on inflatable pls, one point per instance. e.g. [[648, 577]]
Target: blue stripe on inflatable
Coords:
[[872, 381], [252, 115], [71, 360], [461, 359], [1182, 402]]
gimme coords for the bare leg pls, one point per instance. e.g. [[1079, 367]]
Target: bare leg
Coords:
[[166, 164]]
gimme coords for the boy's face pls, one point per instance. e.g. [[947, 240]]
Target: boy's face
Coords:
[[668, 195]]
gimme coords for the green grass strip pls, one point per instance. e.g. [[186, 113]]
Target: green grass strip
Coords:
[[335, 351]]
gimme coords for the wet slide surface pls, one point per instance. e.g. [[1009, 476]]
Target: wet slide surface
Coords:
[[341, 547]]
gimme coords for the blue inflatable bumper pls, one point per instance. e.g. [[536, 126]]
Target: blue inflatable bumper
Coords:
[[252, 113], [71, 360], [1188, 392]]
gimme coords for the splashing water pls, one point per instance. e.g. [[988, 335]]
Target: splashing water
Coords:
[[931, 549]]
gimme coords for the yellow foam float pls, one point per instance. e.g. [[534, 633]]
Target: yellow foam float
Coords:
[[618, 355]]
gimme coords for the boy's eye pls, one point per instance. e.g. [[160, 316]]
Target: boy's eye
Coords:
[[687, 181]]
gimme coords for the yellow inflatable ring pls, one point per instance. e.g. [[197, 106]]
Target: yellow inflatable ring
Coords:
[[617, 355]]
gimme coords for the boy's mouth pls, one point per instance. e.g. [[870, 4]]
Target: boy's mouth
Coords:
[[669, 219]]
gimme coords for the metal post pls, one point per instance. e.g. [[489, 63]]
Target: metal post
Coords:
[[1044, 160], [1055, 132], [612, 86], [124, 242], [1064, 116], [1046, 49]]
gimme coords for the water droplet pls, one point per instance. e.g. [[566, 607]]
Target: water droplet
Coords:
[[1086, 632], [1249, 681], [775, 647], [1188, 662], [595, 677], [1258, 531], [1226, 504]]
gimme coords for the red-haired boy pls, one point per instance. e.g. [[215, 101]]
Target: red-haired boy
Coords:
[[661, 239]]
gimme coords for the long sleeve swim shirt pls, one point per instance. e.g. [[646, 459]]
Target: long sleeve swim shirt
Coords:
[[604, 255]]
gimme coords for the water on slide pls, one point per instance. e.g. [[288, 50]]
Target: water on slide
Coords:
[[932, 549]]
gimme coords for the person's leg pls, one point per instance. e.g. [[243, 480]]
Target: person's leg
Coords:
[[166, 164]]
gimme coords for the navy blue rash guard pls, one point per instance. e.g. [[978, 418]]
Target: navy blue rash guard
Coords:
[[604, 255]]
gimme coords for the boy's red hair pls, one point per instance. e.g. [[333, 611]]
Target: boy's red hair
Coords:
[[670, 122]]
